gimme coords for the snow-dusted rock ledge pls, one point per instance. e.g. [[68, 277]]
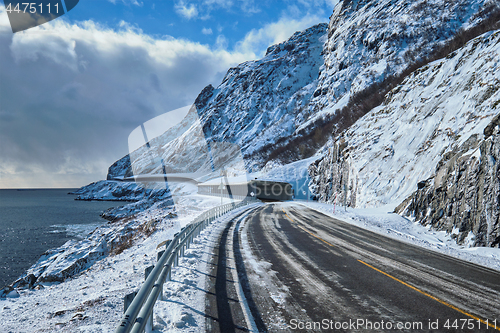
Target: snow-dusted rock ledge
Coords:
[[75, 256], [141, 196]]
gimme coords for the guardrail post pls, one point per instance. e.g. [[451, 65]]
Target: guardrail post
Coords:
[[149, 324], [169, 274], [159, 254], [147, 271], [160, 295], [127, 300]]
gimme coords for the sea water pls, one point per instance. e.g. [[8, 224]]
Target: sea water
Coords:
[[33, 221]]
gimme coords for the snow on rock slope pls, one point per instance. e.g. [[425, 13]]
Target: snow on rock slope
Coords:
[[112, 190], [261, 101], [143, 196], [463, 196], [274, 108], [369, 41], [123, 167], [399, 143], [372, 46], [257, 103]]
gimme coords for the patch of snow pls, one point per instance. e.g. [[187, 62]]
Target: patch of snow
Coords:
[[435, 109]]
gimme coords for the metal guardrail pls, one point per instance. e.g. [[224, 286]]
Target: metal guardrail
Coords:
[[138, 316]]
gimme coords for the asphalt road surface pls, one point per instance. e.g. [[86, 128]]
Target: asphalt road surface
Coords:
[[286, 268]]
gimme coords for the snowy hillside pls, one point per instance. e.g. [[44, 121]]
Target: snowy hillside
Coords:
[[256, 103], [261, 101], [462, 197], [123, 168], [369, 41], [435, 110], [371, 47], [284, 106]]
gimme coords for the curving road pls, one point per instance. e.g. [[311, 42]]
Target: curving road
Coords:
[[301, 270]]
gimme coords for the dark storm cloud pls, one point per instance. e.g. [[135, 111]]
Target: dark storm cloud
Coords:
[[71, 95]]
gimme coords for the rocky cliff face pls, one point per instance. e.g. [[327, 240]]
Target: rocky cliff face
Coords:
[[259, 102], [434, 111], [463, 196], [372, 46], [334, 179]]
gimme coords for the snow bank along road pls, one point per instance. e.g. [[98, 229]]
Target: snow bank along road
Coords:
[[285, 267]]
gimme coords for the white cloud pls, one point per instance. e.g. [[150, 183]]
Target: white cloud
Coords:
[[71, 95], [206, 31], [221, 42], [219, 3], [128, 2], [258, 40], [187, 11], [249, 7], [203, 8]]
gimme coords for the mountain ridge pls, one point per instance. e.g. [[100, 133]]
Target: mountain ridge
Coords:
[[310, 94]]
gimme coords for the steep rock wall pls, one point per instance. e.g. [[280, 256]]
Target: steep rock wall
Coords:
[[434, 111], [334, 180], [463, 197], [372, 46]]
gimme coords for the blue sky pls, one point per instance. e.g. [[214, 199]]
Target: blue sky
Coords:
[[73, 89], [204, 21]]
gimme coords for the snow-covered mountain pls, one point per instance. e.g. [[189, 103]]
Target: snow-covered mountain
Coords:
[[286, 105], [320, 92], [435, 109], [259, 102], [142, 156], [371, 47]]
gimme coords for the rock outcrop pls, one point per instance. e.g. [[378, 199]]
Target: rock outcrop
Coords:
[[434, 111], [463, 196], [334, 180]]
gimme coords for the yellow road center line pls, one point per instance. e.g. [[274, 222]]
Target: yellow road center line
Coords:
[[310, 233], [430, 296], [406, 284]]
